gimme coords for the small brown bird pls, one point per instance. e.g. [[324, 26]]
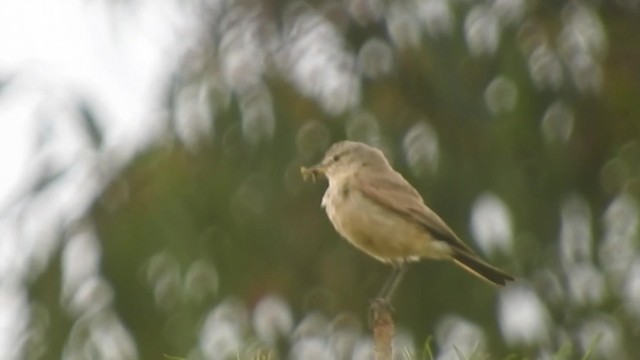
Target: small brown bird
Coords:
[[379, 212]]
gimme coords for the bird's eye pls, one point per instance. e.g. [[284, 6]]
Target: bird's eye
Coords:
[[335, 157]]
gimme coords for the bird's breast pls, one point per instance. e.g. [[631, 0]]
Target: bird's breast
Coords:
[[334, 204]]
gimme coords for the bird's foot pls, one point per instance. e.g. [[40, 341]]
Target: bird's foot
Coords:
[[379, 308]]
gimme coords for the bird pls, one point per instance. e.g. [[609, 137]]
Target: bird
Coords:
[[377, 210]]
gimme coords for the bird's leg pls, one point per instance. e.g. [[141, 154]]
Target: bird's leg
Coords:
[[382, 303], [392, 283], [387, 283]]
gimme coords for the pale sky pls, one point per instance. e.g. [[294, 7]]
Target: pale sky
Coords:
[[115, 55]]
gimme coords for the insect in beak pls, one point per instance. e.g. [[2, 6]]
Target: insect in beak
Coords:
[[312, 172]]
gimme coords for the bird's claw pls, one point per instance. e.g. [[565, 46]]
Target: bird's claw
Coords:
[[378, 306]]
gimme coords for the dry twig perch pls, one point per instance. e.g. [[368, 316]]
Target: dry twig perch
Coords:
[[383, 328]]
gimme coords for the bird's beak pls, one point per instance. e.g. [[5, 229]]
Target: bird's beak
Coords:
[[312, 172]]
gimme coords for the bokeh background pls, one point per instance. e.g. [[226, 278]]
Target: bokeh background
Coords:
[[152, 205]]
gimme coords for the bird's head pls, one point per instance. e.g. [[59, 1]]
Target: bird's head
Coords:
[[344, 158]]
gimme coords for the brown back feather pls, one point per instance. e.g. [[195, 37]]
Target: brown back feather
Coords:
[[392, 191]]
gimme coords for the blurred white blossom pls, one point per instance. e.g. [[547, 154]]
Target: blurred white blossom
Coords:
[[482, 30], [420, 145], [557, 122], [458, 337], [403, 25], [501, 95], [523, 317], [618, 248], [436, 16], [272, 319], [491, 224]]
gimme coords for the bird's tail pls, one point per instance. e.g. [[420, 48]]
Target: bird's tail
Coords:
[[481, 269]]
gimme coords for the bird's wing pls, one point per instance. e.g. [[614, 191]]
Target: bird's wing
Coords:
[[396, 194]]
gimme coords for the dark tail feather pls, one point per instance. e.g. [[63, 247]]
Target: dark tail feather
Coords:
[[481, 269]]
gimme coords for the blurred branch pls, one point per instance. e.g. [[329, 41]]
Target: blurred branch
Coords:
[[91, 124]]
